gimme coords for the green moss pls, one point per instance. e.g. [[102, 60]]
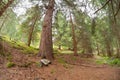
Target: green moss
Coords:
[[30, 50], [10, 64]]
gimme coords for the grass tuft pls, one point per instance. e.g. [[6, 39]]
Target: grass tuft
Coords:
[[10, 64]]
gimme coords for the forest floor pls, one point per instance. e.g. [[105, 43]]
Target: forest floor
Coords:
[[17, 63], [64, 67]]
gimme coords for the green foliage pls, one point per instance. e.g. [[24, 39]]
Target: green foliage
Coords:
[[56, 51], [10, 64], [38, 64], [110, 61], [20, 46], [32, 16], [62, 31], [105, 38], [114, 62]]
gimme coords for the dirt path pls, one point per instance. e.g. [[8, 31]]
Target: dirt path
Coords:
[[67, 69]]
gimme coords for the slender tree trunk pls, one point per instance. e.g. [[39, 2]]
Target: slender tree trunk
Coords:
[[93, 26], [98, 50], [118, 53], [59, 47], [74, 38], [46, 45], [3, 9], [31, 31], [117, 50], [108, 48]]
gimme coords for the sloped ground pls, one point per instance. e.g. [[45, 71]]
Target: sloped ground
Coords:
[[64, 67]]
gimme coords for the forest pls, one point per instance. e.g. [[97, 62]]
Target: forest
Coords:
[[59, 40]]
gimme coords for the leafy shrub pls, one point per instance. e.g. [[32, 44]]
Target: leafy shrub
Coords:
[[110, 61], [114, 62]]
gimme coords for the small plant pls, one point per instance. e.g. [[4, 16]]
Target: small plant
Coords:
[[10, 64], [114, 62], [110, 61], [39, 64]]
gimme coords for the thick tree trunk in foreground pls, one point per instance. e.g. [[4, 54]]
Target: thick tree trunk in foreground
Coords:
[[46, 45], [3, 9], [74, 38], [31, 31]]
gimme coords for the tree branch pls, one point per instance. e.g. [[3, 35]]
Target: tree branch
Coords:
[[102, 6], [117, 10]]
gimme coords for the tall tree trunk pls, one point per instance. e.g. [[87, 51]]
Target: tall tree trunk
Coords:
[[3, 9], [74, 38], [109, 52], [59, 47], [31, 31], [118, 53], [93, 26], [98, 52], [46, 45]]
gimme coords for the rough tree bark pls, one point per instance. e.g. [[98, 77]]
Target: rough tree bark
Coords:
[[3, 9], [31, 31], [46, 45], [73, 37]]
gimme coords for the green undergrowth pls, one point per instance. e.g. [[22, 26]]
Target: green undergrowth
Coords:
[[109, 61], [19, 45]]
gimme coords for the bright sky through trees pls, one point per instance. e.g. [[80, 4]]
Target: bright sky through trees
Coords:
[[21, 7]]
